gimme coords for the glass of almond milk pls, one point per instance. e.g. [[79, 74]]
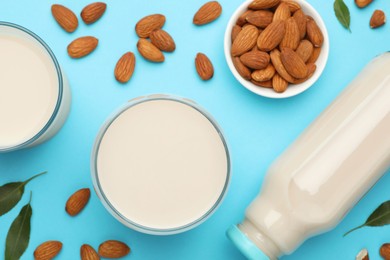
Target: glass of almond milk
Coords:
[[34, 93], [160, 165]]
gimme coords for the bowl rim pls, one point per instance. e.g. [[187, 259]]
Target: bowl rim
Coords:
[[292, 90]]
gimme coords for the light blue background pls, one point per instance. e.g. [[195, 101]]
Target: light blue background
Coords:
[[257, 129]]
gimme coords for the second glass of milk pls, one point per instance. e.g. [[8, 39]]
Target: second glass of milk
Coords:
[[34, 93]]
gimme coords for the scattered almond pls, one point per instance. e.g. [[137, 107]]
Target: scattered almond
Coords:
[[363, 3], [300, 18], [282, 12], [88, 253], [255, 59], [244, 71], [77, 202], [162, 40], [235, 31], [261, 18], [264, 74], [65, 17], [82, 46], [385, 251], [245, 40], [92, 12], [47, 250], [125, 67], [204, 67], [279, 84], [113, 249], [294, 65], [263, 4], [294, 6], [292, 37], [314, 33], [305, 50], [148, 24], [363, 255], [209, 12], [149, 51], [378, 19], [270, 38]]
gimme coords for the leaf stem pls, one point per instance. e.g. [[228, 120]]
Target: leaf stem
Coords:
[[354, 229], [33, 177]]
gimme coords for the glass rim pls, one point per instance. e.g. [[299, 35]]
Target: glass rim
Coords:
[[60, 87], [95, 176]]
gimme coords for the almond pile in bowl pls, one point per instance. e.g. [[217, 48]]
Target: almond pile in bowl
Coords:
[[275, 44]]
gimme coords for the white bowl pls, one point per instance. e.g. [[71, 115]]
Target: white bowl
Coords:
[[292, 90]]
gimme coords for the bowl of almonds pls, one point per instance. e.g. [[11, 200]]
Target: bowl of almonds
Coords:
[[276, 48]]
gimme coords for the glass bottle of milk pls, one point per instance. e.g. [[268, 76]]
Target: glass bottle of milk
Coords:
[[321, 176]]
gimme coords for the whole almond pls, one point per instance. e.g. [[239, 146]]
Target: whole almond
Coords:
[[279, 67], [244, 71], [314, 56], [385, 251], [65, 17], [148, 24], [291, 38], [263, 4], [294, 65], [378, 19], [149, 51], [77, 202], [279, 84], [162, 40], [88, 253], [314, 33], [235, 31], [82, 46], [363, 3], [92, 12], [311, 68], [260, 18], [294, 6], [270, 38], [209, 12], [264, 84], [300, 18], [264, 74], [305, 50], [255, 59], [204, 67], [125, 67], [282, 12], [113, 249], [47, 250], [242, 18], [245, 40]]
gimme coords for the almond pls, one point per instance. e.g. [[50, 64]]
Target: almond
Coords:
[[311, 68], [263, 4], [305, 50], [65, 17], [245, 40], [209, 12], [82, 46], [242, 19], [125, 67], [314, 56], [291, 38], [314, 33], [241, 68], [77, 202], [279, 84], [148, 24], [88, 253], [113, 249], [294, 6], [279, 67], [260, 18], [270, 38], [47, 250], [149, 51], [362, 255], [264, 84], [378, 19], [162, 40], [264, 74], [92, 12], [385, 251], [235, 31], [255, 59], [363, 3], [300, 18], [282, 12], [204, 67], [294, 65]]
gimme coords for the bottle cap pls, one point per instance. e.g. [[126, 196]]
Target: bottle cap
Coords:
[[246, 247]]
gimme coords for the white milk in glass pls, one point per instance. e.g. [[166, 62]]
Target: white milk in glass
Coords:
[[34, 95], [161, 166]]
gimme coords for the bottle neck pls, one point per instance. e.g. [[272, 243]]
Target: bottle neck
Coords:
[[263, 242]]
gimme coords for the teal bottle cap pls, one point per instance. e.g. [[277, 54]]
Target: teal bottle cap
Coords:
[[246, 247]]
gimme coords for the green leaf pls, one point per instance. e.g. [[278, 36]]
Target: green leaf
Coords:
[[380, 217], [11, 193], [18, 235], [342, 13]]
